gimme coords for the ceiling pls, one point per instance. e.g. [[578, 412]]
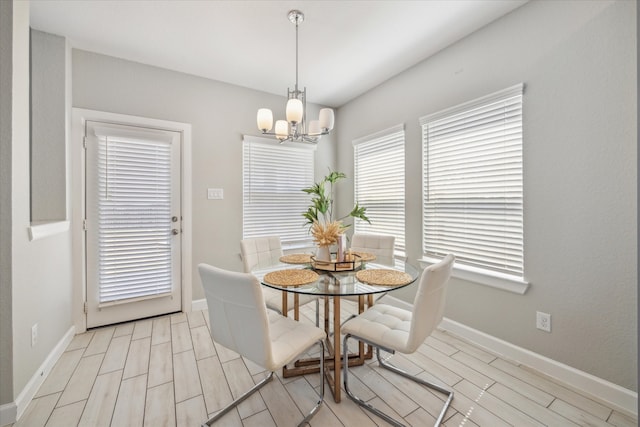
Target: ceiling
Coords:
[[345, 47]]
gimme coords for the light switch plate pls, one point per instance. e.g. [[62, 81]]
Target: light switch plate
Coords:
[[215, 193]]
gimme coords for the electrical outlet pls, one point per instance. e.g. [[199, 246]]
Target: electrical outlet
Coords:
[[34, 335], [543, 321]]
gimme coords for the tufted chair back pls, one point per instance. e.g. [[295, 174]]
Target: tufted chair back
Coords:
[[428, 305], [381, 245], [260, 252], [237, 313]]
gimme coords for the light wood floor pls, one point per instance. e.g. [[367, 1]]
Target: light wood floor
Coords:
[[167, 371]]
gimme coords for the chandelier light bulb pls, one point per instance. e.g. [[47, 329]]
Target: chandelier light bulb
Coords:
[[326, 119], [282, 130], [265, 119], [294, 111]]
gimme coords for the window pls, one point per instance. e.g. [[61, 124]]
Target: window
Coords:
[[273, 201], [472, 183], [379, 183]]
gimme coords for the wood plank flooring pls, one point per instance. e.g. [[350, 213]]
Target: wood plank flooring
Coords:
[[166, 371]]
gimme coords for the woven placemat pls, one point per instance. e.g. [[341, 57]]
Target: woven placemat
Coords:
[[383, 277], [365, 256], [296, 259], [293, 277]]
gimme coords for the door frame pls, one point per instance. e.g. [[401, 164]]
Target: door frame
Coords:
[[78, 119]]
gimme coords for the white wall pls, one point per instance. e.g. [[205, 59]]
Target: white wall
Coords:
[[41, 269], [219, 114], [578, 62]]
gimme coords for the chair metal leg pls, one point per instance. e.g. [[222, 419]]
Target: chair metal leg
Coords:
[[399, 371], [258, 386], [448, 393], [239, 400]]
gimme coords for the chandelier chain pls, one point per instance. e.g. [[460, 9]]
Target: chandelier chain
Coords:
[[296, 55]]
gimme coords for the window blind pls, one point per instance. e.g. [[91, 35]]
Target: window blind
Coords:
[[134, 218], [472, 182], [273, 201], [379, 183]]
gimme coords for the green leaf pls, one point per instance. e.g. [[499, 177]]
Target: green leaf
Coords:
[[311, 215], [322, 203], [359, 212], [317, 189], [334, 176]]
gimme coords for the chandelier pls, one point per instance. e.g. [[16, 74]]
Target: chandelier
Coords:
[[294, 128]]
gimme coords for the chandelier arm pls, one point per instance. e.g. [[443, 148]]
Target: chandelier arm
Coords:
[[321, 133]]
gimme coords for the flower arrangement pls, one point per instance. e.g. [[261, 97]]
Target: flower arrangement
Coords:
[[324, 229], [326, 234]]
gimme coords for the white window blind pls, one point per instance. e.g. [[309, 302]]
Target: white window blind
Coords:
[[134, 218], [472, 182], [379, 183], [273, 201]]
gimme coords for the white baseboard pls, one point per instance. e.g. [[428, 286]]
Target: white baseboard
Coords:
[[199, 304], [27, 393], [8, 414], [613, 395]]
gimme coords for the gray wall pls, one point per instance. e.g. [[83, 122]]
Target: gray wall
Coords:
[[48, 137], [578, 62], [6, 98], [219, 114]]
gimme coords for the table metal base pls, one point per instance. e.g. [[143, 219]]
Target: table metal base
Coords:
[[335, 360]]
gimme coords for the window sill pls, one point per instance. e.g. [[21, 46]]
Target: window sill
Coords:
[[496, 280], [45, 229]]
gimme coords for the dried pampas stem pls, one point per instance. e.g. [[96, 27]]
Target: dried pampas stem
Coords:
[[326, 234]]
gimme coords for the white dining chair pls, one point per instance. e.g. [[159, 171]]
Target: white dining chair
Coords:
[[260, 252], [240, 321], [394, 329], [381, 245]]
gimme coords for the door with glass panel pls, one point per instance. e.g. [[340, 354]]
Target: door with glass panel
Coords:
[[133, 222]]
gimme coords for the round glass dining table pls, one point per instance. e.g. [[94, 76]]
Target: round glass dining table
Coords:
[[332, 286]]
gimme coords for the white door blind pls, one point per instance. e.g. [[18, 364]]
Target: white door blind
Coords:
[[134, 215], [379, 184], [472, 183], [273, 201]]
